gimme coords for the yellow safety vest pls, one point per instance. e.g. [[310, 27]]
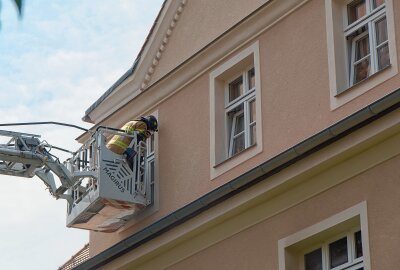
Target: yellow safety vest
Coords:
[[118, 144]]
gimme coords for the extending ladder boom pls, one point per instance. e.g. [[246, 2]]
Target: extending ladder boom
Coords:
[[24, 155], [102, 188]]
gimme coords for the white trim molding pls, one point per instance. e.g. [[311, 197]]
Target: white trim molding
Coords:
[[353, 216], [342, 90], [162, 46], [220, 162]]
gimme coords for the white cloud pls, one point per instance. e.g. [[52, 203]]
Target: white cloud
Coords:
[[53, 65]]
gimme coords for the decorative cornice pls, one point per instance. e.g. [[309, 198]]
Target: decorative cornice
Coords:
[[162, 46]]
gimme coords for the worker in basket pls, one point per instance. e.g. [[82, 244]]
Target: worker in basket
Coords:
[[144, 127]]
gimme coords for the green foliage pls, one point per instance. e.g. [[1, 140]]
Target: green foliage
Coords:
[[19, 4]]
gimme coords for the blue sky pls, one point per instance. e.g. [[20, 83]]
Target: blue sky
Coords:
[[54, 63]]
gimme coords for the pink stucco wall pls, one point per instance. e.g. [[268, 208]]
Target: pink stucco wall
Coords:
[[257, 246], [201, 22], [295, 105]]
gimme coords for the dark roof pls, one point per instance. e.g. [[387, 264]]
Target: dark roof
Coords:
[[128, 73], [260, 173]]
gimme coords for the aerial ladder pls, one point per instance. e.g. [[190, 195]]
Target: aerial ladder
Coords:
[[102, 189]]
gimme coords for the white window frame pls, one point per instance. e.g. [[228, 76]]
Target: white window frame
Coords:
[[234, 136], [220, 162], [368, 20], [339, 56], [378, 46], [353, 262], [249, 95], [355, 62], [319, 230], [151, 159]]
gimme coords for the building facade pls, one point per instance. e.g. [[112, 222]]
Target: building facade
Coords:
[[278, 143]]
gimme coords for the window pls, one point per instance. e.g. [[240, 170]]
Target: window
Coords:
[[339, 242], [241, 112], [150, 166], [235, 110], [367, 38], [361, 47], [345, 252]]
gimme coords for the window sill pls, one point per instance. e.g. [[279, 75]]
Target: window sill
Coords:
[[378, 73], [235, 156]]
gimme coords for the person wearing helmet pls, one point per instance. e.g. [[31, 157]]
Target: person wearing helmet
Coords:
[[144, 127], [152, 123]]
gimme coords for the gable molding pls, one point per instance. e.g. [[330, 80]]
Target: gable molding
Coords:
[[247, 30], [162, 46]]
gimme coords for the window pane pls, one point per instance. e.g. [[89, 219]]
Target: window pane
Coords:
[[381, 31], [238, 144], [313, 260], [383, 57], [150, 144], [232, 114], [377, 3], [252, 106], [236, 89], [362, 47], [253, 135], [150, 176], [356, 10], [358, 244], [252, 78], [338, 252], [239, 123], [152, 194], [361, 70], [151, 171]]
